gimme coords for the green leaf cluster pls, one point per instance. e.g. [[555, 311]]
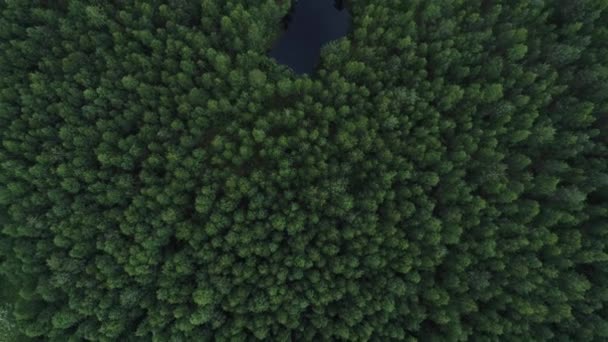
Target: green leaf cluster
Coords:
[[443, 176]]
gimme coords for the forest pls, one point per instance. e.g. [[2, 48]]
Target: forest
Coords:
[[441, 175]]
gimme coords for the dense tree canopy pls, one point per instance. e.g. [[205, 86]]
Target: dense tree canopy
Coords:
[[442, 176]]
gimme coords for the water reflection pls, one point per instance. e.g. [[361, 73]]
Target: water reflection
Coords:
[[310, 25]]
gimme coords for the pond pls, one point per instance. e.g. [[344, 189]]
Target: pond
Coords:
[[310, 25]]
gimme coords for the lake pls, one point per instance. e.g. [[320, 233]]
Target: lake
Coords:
[[310, 25]]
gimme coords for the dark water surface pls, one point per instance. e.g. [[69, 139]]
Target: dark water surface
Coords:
[[312, 24]]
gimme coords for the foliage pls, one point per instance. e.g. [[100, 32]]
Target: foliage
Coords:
[[8, 327], [442, 177]]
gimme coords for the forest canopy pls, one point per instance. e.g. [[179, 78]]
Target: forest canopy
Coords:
[[441, 176]]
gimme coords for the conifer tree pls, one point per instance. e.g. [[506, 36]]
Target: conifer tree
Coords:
[[441, 176]]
